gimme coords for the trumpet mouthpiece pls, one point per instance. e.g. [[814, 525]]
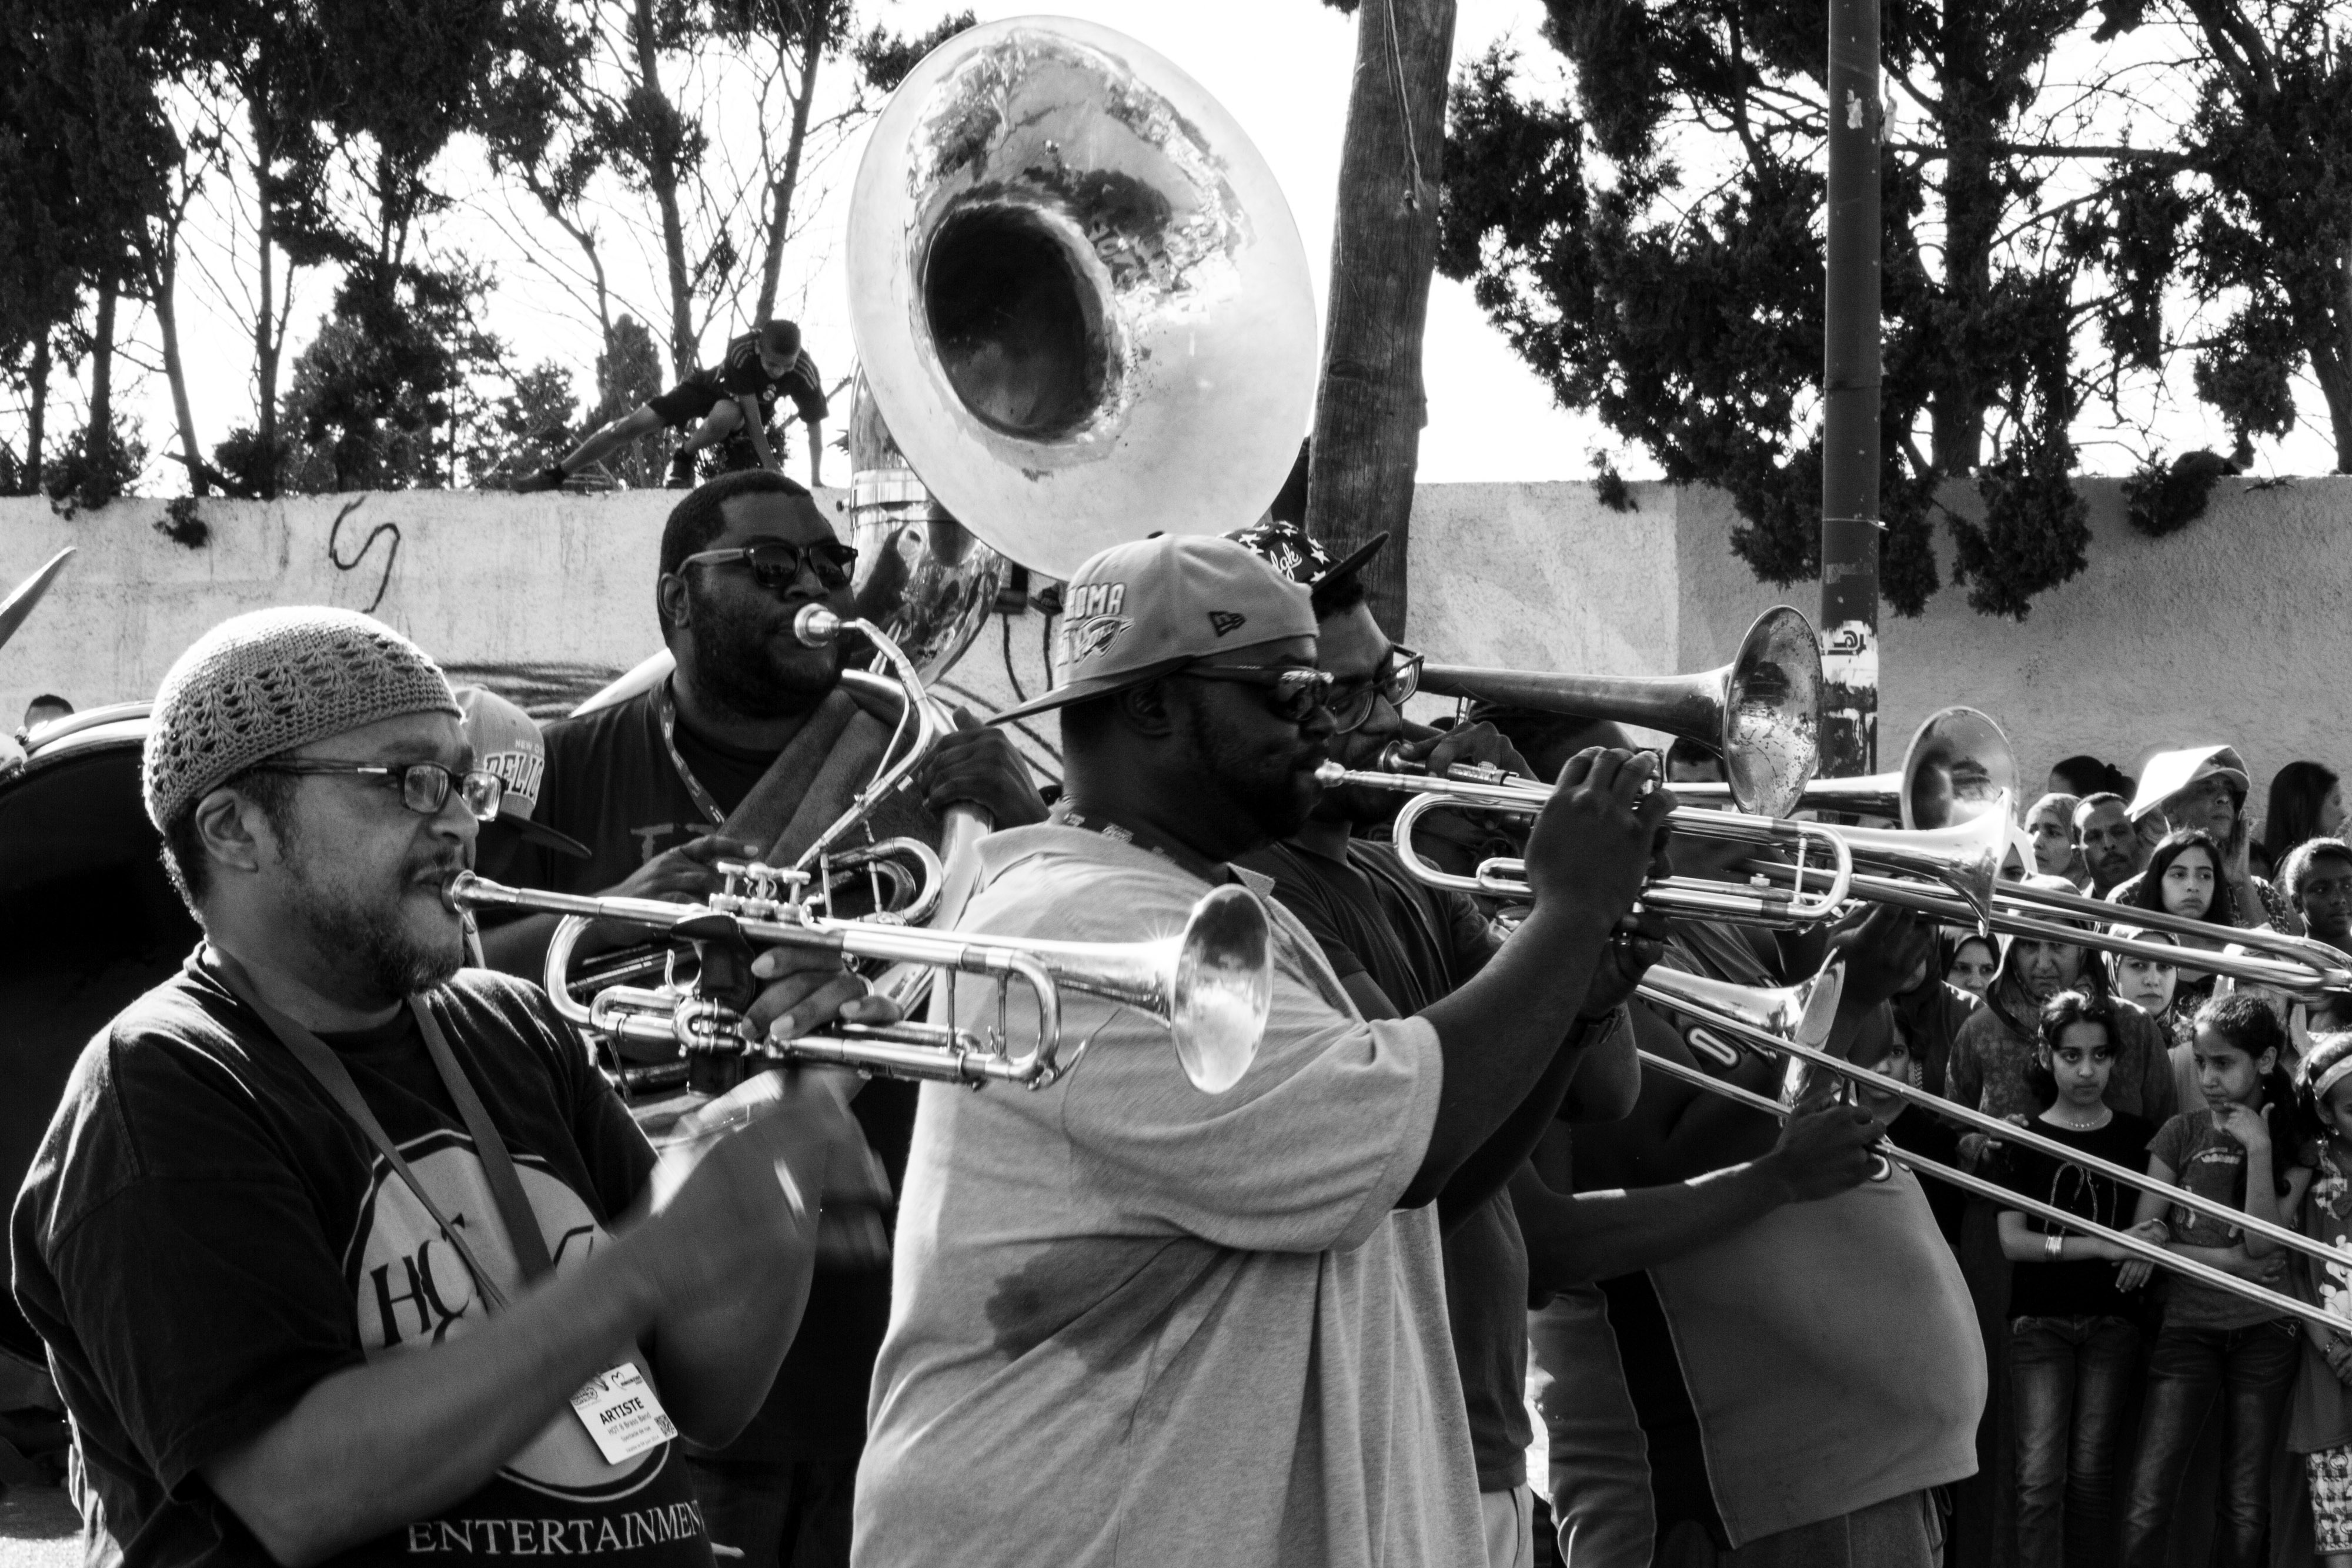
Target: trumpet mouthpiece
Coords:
[[816, 626], [1331, 775]]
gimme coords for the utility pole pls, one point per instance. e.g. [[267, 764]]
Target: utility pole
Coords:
[[1849, 369], [1369, 405]]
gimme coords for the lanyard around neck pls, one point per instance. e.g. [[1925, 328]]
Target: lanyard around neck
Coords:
[[666, 708], [497, 1166]]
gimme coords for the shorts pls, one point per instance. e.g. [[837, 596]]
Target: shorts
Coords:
[[688, 403], [2331, 1499]]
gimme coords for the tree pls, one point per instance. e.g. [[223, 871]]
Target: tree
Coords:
[[375, 402], [2251, 216], [1369, 405], [1652, 250]]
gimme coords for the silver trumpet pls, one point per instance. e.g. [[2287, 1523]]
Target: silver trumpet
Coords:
[[1211, 985], [1761, 901]]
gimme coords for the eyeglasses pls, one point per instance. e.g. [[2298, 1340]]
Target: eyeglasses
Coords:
[[1352, 703], [776, 563], [1293, 693], [424, 786]]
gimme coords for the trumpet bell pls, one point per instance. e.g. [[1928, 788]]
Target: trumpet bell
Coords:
[[1222, 988], [1076, 280]]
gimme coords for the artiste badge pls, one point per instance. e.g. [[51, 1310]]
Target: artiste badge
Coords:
[[618, 1407]]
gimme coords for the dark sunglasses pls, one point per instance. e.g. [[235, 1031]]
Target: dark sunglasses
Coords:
[[424, 786], [1293, 693], [776, 563], [1351, 703]]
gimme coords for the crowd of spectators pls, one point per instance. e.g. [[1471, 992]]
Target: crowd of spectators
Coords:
[[2137, 1416]]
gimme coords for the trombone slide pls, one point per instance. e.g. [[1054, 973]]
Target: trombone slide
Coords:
[[1966, 1181]]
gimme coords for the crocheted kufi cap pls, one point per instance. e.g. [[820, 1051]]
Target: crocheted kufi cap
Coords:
[[262, 683]]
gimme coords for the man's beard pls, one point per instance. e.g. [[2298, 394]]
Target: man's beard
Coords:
[[740, 666], [370, 938], [1270, 793]]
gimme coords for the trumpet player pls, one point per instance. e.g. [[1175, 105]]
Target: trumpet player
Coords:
[[1131, 1318], [1397, 945], [747, 751], [340, 1251]]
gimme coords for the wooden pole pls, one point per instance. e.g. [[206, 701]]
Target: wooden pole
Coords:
[[1849, 369], [1370, 407]]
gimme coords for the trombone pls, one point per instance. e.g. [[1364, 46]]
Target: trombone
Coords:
[[1759, 902], [1211, 984], [1760, 712], [1734, 1008], [1960, 833]]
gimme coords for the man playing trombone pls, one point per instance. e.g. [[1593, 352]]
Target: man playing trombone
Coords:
[[1134, 1317]]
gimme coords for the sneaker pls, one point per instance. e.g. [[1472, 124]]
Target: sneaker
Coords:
[[681, 471], [548, 478]]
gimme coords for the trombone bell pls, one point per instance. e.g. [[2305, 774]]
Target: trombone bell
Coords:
[[1761, 712]]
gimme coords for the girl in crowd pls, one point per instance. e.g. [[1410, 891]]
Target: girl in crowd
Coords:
[[2184, 878], [2306, 802], [1974, 963], [2319, 1419], [2050, 824], [1994, 1051], [2073, 1332], [2215, 1347]]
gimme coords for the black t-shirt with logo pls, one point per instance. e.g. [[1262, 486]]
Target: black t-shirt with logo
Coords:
[[2081, 1288], [1418, 945], [610, 784], [739, 371], [205, 1236]]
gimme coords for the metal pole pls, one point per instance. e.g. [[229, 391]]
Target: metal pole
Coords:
[[1850, 526]]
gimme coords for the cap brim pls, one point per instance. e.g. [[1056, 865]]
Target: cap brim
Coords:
[[1355, 560], [542, 835], [1079, 691]]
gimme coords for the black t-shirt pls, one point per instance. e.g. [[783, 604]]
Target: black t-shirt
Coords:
[[1417, 944], [610, 784], [740, 371], [204, 1236], [2083, 1287]]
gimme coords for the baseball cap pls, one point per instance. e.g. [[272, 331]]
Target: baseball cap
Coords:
[[507, 742], [1140, 610], [1285, 545]]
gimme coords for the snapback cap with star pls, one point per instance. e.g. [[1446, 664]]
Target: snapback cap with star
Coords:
[[1140, 610], [508, 743]]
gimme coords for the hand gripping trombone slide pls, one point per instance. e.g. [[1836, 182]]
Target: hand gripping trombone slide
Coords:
[[1211, 984], [1722, 1006]]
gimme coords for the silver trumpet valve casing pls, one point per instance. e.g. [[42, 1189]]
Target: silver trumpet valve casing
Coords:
[[1812, 891]]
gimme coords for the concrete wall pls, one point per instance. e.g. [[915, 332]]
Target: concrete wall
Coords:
[[2238, 629]]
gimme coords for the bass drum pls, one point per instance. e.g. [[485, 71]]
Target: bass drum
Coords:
[[88, 921]]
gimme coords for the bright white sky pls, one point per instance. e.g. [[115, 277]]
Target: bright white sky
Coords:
[[1281, 66]]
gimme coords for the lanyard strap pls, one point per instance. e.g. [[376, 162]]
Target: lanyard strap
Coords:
[[666, 707], [506, 1187]]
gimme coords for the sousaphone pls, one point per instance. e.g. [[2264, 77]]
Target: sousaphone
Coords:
[[1081, 305]]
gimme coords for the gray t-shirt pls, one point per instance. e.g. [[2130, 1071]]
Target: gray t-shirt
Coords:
[[1135, 1322]]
